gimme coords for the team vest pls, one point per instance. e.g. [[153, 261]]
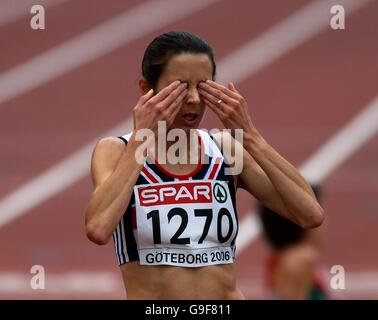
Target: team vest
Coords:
[[180, 220]]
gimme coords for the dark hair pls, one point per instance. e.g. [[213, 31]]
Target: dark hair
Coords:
[[163, 47], [279, 231]]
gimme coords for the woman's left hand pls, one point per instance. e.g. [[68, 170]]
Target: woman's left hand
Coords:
[[228, 104]]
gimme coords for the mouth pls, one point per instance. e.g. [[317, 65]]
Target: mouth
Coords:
[[190, 119]]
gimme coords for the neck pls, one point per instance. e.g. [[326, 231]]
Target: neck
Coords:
[[177, 147]]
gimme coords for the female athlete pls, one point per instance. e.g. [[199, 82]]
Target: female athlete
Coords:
[[170, 204]]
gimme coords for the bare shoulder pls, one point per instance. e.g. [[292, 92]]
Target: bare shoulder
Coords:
[[105, 156], [109, 148]]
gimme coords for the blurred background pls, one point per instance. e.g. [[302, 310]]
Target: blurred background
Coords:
[[312, 93]]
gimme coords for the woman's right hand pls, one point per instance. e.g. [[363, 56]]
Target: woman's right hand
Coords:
[[163, 106]]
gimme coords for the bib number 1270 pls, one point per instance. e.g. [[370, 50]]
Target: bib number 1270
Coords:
[[202, 213]]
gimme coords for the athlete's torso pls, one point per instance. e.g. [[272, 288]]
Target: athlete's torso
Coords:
[[177, 236], [216, 282]]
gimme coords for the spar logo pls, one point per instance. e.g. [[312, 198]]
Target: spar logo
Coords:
[[220, 193], [175, 193]]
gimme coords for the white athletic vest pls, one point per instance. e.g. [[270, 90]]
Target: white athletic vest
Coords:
[[188, 221]]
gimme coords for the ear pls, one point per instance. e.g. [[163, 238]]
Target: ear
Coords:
[[144, 87]]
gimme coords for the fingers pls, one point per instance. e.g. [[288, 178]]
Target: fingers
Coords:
[[214, 97], [165, 92], [218, 86], [177, 102], [216, 109], [232, 87], [170, 105], [143, 99], [181, 90], [174, 108], [219, 90]]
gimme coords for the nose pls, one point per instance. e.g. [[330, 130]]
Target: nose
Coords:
[[193, 96]]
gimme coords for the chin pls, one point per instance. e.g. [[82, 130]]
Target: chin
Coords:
[[190, 127], [185, 127]]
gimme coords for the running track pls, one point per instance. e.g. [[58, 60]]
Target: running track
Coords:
[[298, 101]]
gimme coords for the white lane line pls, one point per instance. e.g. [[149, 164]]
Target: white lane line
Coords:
[[288, 34], [327, 158], [65, 282], [343, 144], [12, 10], [358, 285], [11, 205], [52, 181], [268, 47], [88, 46], [362, 283]]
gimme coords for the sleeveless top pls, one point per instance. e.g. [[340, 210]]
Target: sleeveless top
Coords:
[[180, 220]]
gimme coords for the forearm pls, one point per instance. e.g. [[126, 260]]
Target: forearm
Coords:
[[291, 187], [255, 142], [110, 199]]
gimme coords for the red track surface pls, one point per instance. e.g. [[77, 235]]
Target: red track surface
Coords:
[[297, 102]]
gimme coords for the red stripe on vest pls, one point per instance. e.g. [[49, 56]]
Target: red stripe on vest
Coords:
[[215, 168], [149, 175]]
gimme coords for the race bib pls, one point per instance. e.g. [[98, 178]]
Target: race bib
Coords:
[[185, 223]]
